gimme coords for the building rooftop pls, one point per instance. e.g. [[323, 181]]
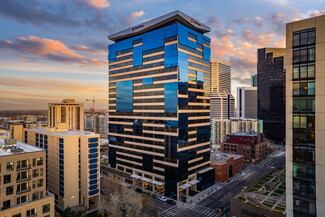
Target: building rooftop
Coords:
[[245, 134], [220, 158], [62, 133], [17, 148], [165, 20]]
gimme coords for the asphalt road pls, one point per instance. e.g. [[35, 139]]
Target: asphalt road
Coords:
[[222, 197]]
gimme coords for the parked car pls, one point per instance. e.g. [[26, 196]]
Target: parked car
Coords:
[[162, 198], [139, 190], [171, 202], [244, 188], [153, 196]]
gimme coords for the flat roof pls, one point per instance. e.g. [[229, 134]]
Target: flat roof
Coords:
[[20, 147], [161, 21], [244, 134], [220, 158], [64, 133]]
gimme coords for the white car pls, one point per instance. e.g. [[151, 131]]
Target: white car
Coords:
[[162, 198]]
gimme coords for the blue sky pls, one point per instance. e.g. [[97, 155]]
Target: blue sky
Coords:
[[58, 49]]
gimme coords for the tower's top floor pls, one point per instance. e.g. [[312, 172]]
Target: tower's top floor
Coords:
[[159, 22]]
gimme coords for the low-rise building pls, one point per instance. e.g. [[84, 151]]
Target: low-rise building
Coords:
[[226, 165], [23, 182], [252, 145], [16, 128]]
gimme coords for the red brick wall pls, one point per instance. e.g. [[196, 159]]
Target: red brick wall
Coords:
[[222, 171]]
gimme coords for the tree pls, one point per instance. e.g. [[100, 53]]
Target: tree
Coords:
[[124, 201]]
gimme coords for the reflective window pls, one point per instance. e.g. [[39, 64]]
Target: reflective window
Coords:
[[146, 81], [171, 99], [124, 96]]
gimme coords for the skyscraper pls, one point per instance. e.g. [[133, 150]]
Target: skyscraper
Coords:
[[67, 112], [271, 92], [247, 102], [254, 80], [159, 107], [221, 101], [305, 113]]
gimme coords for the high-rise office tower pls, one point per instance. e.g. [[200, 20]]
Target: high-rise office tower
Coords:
[[254, 80], [159, 107], [221, 101], [271, 92], [72, 164], [67, 112], [100, 124], [247, 102], [305, 113], [23, 183]]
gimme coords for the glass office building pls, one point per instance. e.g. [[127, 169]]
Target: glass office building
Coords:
[[271, 92], [159, 107]]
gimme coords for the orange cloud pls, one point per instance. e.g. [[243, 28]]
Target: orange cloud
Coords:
[[220, 48], [48, 49], [88, 49], [135, 15], [317, 13], [97, 4]]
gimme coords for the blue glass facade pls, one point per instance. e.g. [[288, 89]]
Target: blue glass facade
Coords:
[[159, 88], [93, 165]]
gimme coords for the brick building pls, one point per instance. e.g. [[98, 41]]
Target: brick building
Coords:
[[226, 165], [252, 145]]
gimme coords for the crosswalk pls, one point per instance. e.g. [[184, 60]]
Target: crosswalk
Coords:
[[204, 211], [172, 211], [196, 209]]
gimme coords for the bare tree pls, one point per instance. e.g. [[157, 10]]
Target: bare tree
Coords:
[[124, 201]]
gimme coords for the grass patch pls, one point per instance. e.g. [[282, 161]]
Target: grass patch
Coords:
[[280, 208], [242, 198], [268, 204], [274, 194], [282, 174], [275, 180], [279, 191], [266, 193]]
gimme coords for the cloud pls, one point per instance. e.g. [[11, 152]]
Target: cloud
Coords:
[[88, 49], [257, 39], [29, 11], [97, 4], [48, 49], [213, 21], [245, 45], [258, 21], [51, 84], [240, 20], [129, 20], [220, 47], [317, 13]]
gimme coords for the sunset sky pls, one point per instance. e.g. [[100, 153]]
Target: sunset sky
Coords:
[[53, 51]]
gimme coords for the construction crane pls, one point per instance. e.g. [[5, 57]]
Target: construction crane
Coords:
[[92, 109]]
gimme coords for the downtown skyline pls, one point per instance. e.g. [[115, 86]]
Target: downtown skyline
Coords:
[[50, 52]]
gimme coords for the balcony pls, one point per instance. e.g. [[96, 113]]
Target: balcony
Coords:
[[28, 189], [24, 167], [23, 179]]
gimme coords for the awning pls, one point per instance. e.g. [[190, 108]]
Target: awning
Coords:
[[135, 176], [185, 186], [206, 170], [145, 179], [193, 182], [157, 183]]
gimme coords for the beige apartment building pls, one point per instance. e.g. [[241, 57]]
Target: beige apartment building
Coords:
[[305, 117], [23, 182], [73, 164], [222, 102], [68, 112], [221, 128]]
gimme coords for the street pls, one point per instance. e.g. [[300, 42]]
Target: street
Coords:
[[222, 197]]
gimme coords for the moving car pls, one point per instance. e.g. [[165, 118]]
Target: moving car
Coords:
[[220, 209], [153, 196], [162, 198]]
